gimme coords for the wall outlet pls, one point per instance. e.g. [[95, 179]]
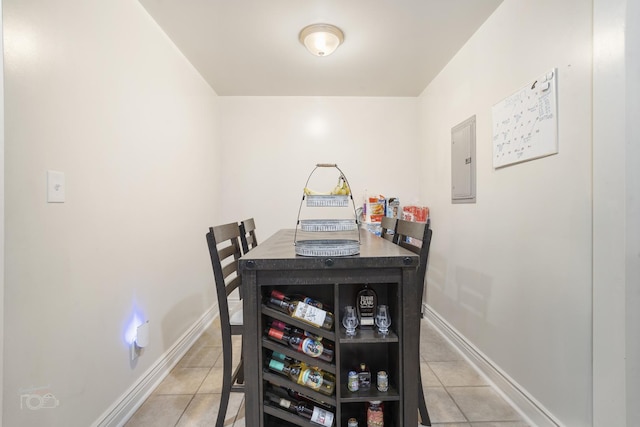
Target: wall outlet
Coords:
[[134, 351]]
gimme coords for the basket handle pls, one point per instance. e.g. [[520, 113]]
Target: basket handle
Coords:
[[326, 165]]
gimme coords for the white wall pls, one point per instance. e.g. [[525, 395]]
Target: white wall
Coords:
[[1, 221], [632, 219], [609, 145], [616, 294], [512, 273], [97, 91], [277, 141]]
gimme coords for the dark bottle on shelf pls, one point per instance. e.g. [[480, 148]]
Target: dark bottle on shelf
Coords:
[[289, 393], [301, 343], [299, 396], [299, 372], [364, 377], [314, 414], [307, 313], [366, 303], [277, 324], [281, 357]]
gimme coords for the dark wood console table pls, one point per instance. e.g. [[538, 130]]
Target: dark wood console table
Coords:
[[387, 268]]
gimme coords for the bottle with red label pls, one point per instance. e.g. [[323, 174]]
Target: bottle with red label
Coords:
[[277, 324], [296, 297], [302, 343]]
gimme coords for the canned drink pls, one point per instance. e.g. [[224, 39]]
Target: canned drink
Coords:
[[352, 422], [383, 381], [375, 414], [353, 383]]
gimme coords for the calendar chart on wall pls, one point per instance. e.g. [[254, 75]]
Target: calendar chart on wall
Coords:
[[525, 124]]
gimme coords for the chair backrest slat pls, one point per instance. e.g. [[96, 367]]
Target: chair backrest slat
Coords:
[[226, 251], [229, 269], [233, 285], [226, 232]]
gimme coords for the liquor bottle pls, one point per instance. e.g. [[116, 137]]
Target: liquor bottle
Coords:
[[299, 396], [314, 414], [303, 344], [296, 297], [277, 324], [366, 302], [307, 313], [313, 378], [281, 357], [289, 393], [364, 377]]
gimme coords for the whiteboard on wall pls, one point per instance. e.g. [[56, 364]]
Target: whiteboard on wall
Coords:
[[525, 124]]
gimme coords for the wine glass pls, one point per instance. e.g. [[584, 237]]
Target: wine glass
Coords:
[[350, 320], [383, 319]]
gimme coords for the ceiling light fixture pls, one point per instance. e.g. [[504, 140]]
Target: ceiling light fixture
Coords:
[[321, 39]]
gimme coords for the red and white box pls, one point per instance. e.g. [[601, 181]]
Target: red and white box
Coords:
[[415, 213]]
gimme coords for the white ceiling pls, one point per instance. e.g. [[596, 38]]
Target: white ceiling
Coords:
[[251, 47]]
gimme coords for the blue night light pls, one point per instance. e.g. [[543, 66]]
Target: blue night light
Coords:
[[131, 329]]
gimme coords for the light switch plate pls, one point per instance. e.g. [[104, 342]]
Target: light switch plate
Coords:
[[55, 187]]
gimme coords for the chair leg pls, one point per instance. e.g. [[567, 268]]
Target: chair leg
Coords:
[[422, 405], [240, 377], [226, 381]]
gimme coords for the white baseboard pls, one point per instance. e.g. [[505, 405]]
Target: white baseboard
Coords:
[[134, 397], [533, 412]]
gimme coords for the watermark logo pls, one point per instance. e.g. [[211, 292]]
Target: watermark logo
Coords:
[[38, 398]]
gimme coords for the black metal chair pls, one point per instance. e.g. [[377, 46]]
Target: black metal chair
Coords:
[[224, 249], [416, 237], [248, 235], [389, 228]]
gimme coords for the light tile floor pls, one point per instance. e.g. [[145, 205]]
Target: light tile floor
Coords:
[[457, 395]]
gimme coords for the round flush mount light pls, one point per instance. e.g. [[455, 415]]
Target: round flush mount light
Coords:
[[321, 39]]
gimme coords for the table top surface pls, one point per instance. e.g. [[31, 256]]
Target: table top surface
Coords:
[[278, 251]]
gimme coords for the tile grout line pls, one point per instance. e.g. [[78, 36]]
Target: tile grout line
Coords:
[[193, 396], [184, 410], [446, 390]]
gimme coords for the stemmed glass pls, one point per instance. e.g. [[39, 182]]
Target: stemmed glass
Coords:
[[383, 319], [350, 320]]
